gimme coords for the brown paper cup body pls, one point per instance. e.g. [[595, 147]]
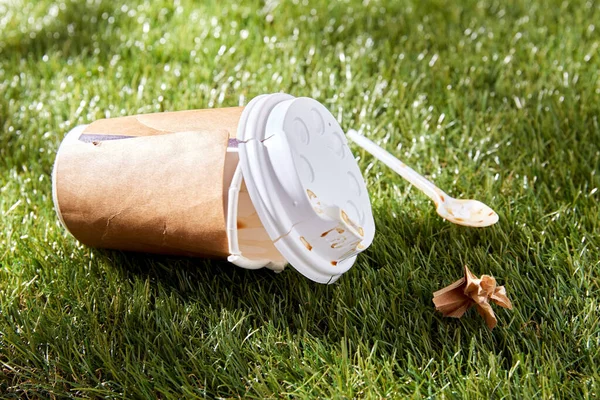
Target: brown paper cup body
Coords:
[[151, 183]]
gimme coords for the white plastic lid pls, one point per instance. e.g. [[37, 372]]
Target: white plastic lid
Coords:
[[305, 184]]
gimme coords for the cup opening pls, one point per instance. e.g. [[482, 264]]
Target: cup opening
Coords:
[[253, 241]]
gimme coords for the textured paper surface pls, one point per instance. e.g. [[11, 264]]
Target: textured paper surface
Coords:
[[161, 192], [208, 120], [455, 299]]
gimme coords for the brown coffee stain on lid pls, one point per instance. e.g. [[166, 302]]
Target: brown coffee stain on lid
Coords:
[[326, 232], [334, 263], [311, 194], [345, 217], [305, 243]]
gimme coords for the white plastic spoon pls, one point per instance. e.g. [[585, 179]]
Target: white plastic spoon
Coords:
[[462, 212]]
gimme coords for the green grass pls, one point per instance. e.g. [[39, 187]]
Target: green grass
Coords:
[[494, 100]]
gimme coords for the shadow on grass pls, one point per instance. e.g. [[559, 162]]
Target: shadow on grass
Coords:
[[285, 300], [291, 301]]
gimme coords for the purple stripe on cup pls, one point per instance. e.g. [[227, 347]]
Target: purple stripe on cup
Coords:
[[92, 137]]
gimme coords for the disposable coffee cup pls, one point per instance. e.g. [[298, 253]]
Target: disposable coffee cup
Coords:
[[262, 186]]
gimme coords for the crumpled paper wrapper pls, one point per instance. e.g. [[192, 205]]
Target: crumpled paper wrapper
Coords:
[[455, 299], [148, 183]]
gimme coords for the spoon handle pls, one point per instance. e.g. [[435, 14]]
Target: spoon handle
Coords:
[[427, 187]]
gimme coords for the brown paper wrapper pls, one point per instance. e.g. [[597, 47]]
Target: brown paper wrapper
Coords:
[[454, 300], [209, 120], [151, 183]]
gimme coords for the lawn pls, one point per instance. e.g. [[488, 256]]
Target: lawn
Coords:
[[498, 101]]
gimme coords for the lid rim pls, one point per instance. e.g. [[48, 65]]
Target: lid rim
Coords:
[[291, 214]]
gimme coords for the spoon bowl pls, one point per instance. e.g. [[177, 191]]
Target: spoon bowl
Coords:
[[466, 212]]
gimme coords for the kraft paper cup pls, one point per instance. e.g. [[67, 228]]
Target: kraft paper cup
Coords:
[[262, 185]]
